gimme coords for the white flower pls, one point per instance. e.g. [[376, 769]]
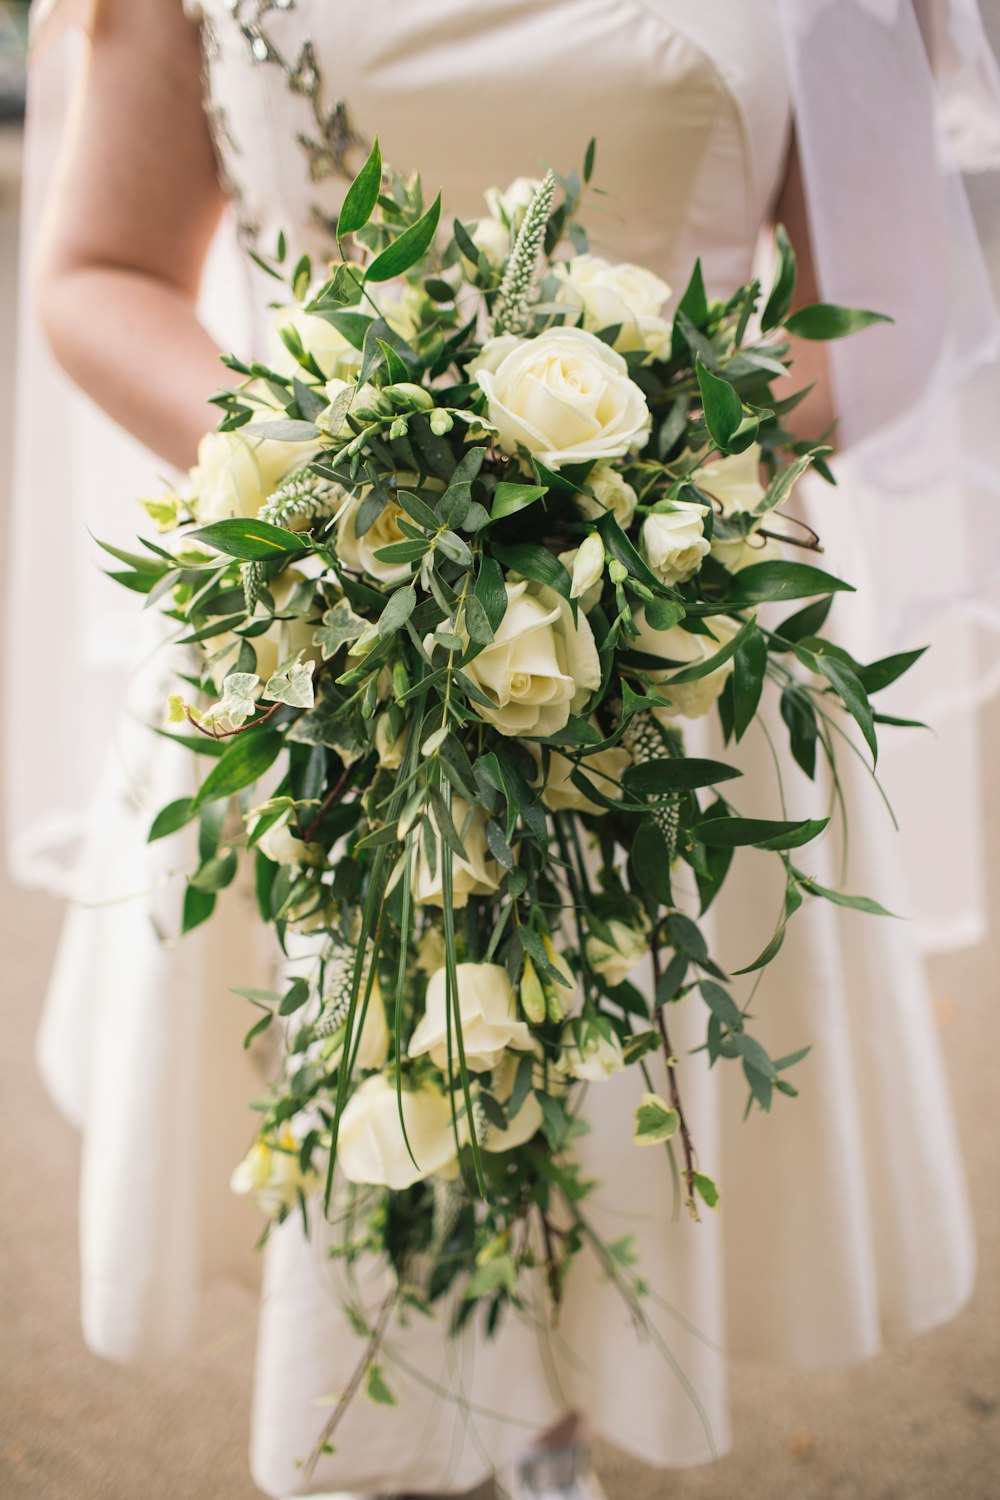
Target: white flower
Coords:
[[734, 484], [540, 666], [560, 794], [388, 749], [591, 596], [588, 565], [358, 552], [236, 471], [476, 875], [674, 541], [621, 296], [528, 1119], [611, 493], [273, 1174], [493, 239], [564, 396], [614, 958], [371, 1147], [281, 845], [510, 205], [596, 1054], [430, 949], [487, 1009], [335, 355], [690, 700]]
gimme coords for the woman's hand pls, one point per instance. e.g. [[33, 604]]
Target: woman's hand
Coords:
[[133, 210]]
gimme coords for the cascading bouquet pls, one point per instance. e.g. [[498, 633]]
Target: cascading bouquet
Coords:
[[450, 578]]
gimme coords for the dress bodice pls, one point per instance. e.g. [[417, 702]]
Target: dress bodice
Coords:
[[688, 102]]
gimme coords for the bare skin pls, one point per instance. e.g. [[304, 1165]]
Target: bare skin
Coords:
[[137, 204]]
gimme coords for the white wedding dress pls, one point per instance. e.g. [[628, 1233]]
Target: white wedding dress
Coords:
[[843, 1218]]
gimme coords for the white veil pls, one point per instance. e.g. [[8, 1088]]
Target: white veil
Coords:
[[892, 99]]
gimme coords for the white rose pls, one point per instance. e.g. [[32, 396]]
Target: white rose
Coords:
[[373, 1043], [487, 1008], [674, 542], [596, 1054], [335, 355], [734, 484], [690, 700], [559, 793], [615, 958], [624, 296], [358, 552], [371, 1147], [273, 1174], [476, 875], [564, 396], [510, 205], [236, 471], [540, 666], [528, 1119], [611, 493]]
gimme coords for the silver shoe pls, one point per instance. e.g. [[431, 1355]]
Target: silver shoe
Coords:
[[562, 1472]]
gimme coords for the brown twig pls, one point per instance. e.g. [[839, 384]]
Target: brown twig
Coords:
[[325, 806], [226, 734], [353, 1385], [675, 1098]]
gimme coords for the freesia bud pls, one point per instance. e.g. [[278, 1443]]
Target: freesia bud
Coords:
[[588, 565]]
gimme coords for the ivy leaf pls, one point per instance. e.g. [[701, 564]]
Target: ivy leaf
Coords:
[[655, 1121], [292, 683], [341, 626]]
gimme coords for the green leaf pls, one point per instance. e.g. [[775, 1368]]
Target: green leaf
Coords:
[[491, 593], [249, 539], [722, 406], [761, 833], [878, 674], [508, 499], [362, 195], [749, 668], [198, 907], [588, 159], [847, 685], [824, 320], [655, 1121], [376, 1388], [620, 548], [808, 621], [216, 873], [175, 815], [291, 684], [779, 299], [803, 728], [536, 562], [706, 1189], [680, 775], [694, 305], [782, 484], [294, 998], [765, 581], [398, 610], [477, 622], [418, 510], [285, 430], [243, 762], [409, 248], [854, 903], [721, 1004]]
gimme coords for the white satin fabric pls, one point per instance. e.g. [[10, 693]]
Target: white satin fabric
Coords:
[[844, 1218]]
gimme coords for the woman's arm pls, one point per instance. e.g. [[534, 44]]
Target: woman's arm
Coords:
[[134, 207], [813, 416]]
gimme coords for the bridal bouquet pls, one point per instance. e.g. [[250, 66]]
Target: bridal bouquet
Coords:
[[459, 566]]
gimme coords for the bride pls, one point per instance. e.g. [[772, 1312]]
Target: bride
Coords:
[[844, 1217]]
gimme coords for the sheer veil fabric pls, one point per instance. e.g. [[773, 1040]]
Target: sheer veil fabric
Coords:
[[855, 1189]]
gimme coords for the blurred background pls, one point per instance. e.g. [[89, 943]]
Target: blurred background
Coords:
[[920, 1422]]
